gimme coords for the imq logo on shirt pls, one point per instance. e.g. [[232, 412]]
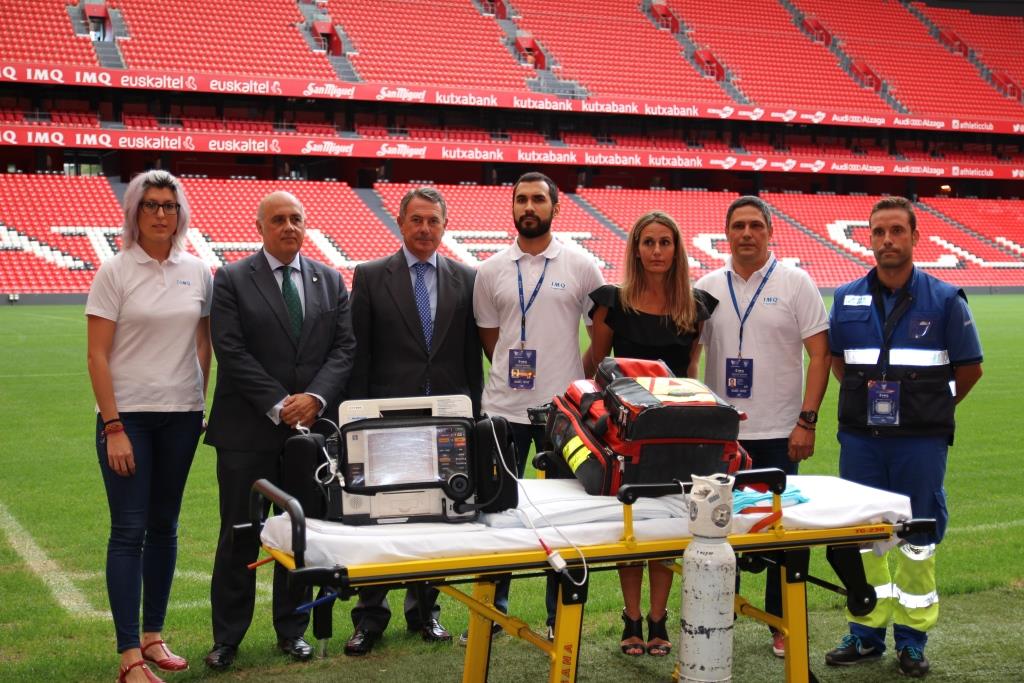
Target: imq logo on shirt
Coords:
[[184, 283], [555, 284], [770, 300]]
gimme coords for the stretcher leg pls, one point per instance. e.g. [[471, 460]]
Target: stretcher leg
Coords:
[[565, 652], [478, 646], [794, 614]]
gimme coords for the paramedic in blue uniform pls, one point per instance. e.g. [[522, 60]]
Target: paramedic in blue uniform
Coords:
[[905, 351]]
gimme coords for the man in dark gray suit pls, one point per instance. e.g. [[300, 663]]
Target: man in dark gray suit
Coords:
[[282, 331], [416, 335]]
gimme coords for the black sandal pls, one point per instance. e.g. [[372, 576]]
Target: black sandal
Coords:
[[634, 628], [658, 630]]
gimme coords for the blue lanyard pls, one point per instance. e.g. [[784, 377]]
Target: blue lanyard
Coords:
[[753, 300], [523, 305]]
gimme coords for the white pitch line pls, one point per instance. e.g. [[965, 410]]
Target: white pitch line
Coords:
[[994, 526], [64, 591]]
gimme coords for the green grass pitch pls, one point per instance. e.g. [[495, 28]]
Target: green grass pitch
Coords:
[[53, 512]]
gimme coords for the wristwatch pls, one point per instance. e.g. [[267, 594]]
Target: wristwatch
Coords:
[[809, 416]]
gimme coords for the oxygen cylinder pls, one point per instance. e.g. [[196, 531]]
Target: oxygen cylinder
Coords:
[[709, 584]]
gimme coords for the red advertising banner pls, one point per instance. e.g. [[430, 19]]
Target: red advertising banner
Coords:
[[383, 92], [299, 145]]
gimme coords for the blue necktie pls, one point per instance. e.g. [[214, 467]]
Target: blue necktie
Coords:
[[422, 297], [291, 301]]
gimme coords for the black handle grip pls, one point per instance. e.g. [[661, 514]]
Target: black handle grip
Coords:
[[629, 493], [772, 477], [544, 461], [264, 490], [915, 526]]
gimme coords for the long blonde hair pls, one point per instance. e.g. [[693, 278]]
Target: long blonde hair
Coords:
[[682, 308]]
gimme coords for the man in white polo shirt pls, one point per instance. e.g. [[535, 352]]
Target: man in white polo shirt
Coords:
[[755, 341], [528, 302]]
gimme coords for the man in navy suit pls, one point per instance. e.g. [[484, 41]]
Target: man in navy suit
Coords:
[[282, 332], [416, 335]]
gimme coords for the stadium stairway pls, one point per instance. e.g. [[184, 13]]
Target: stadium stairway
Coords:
[[598, 216], [375, 203]]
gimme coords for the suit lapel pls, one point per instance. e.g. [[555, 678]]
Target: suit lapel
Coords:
[[313, 295], [449, 288], [267, 285], [399, 286]]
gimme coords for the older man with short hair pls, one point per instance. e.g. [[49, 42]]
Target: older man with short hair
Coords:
[[282, 333]]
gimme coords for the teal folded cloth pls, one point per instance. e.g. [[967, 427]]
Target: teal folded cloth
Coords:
[[750, 498]]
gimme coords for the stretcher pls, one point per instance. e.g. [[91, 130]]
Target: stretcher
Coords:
[[591, 533]]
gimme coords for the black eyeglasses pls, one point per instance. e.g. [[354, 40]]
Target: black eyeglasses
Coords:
[[151, 207]]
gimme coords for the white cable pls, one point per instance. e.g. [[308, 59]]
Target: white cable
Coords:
[[529, 522]]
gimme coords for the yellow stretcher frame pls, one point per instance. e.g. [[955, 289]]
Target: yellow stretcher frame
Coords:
[[563, 652]]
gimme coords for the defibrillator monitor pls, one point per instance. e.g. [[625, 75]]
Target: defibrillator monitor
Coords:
[[407, 466]]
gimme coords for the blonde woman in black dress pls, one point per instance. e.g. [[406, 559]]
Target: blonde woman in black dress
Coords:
[[654, 314]]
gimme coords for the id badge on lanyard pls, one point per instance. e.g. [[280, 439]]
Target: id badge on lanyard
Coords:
[[883, 403], [522, 362], [884, 395], [739, 371]]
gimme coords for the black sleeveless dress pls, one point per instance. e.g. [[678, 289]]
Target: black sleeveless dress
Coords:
[[648, 336]]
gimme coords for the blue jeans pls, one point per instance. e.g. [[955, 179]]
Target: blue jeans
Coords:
[[770, 453], [523, 435], [144, 508]]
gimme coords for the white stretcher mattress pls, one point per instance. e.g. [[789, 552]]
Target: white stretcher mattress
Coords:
[[582, 518]]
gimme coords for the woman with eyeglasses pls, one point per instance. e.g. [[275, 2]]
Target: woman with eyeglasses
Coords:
[[149, 354], [654, 314]]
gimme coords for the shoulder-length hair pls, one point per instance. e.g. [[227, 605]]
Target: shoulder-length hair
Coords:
[[682, 308], [133, 200]]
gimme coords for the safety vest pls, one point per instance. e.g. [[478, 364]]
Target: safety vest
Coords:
[[915, 354]]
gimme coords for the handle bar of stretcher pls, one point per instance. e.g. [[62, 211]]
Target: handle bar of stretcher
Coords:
[[263, 491], [771, 477]]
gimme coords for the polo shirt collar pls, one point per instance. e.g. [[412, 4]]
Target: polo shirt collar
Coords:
[[275, 264], [553, 249], [140, 255], [411, 259], [762, 270]]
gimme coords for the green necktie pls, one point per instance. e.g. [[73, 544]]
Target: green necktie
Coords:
[[291, 301]]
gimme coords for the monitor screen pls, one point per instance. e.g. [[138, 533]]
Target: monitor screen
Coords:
[[404, 455]]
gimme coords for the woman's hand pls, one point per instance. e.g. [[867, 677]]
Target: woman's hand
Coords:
[[119, 454]]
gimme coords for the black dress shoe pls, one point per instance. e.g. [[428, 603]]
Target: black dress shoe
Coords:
[[297, 647], [433, 632], [221, 656], [361, 642]]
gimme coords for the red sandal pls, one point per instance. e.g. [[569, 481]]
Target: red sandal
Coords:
[[169, 661], [150, 676]]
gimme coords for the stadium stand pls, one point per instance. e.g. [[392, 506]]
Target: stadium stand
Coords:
[[995, 219], [42, 33], [224, 212], [403, 43], [773, 62], [612, 48], [918, 69], [476, 209], [945, 250], [996, 40], [44, 243], [228, 37], [970, 242], [701, 217]]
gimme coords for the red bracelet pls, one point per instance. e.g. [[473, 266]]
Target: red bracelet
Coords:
[[113, 428]]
